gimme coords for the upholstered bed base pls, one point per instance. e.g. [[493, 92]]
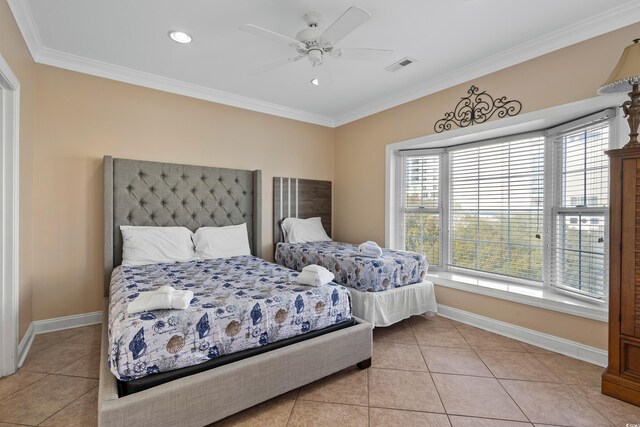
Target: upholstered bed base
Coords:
[[212, 395], [126, 388]]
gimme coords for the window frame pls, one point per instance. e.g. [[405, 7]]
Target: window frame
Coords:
[[482, 273], [555, 207], [550, 194], [402, 210]]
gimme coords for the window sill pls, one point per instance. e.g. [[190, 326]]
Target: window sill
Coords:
[[538, 297]]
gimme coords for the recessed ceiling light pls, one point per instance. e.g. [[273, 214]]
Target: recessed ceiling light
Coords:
[[315, 82], [180, 37]]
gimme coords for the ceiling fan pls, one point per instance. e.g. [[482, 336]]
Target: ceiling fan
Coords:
[[317, 45]]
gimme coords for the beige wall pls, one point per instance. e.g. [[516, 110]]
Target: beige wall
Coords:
[[81, 118], [15, 52], [561, 77]]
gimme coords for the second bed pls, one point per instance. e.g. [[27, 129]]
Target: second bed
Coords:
[[384, 290]]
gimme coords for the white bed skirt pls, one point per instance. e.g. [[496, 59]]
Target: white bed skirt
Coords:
[[388, 307]]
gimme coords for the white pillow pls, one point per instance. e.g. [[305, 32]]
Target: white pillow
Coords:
[[304, 230], [153, 245], [222, 242], [286, 225]]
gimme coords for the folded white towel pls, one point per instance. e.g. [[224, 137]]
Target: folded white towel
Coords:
[[315, 268], [370, 249], [164, 290], [163, 298], [180, 300], [315, 275]]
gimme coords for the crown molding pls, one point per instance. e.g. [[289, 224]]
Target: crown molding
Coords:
[[44, 55], [613, 19], [26, 23], [93, 67]]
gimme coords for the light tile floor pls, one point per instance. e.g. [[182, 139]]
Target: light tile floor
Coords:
[[425, 372]]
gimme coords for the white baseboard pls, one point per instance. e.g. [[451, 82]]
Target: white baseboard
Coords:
[[52, 325], [529, 336], [25, 344], [67, 322]]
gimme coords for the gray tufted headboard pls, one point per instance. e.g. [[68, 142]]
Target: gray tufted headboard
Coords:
[[167, 194]]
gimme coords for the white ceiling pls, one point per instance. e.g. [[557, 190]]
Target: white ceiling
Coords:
[[453, 41]]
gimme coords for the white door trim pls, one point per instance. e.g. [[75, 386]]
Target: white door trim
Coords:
[[9, 217]]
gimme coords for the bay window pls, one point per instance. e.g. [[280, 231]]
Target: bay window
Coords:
[[530, 208]]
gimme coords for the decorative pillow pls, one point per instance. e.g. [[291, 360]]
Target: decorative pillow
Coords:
[[222, 242], [304, 230], [154, 245]]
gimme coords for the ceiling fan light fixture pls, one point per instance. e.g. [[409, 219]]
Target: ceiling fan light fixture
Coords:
[[180, 37], [315, 81], [315, 56]]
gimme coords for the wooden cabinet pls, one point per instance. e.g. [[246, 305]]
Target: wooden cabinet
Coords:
[[622, 377]]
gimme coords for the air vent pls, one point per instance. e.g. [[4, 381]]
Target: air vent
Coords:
[[400, 64]]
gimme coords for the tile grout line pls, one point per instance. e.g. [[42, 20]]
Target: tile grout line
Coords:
[[495, 419], [399, 369], [417, 411], [585, 400], [295, 402], [57, 342], [572, 386], [336, 403], [496, 379], [74, 400], [82, 355], [28, 369], [76, 376], [435, 387], [369, 395], [28, 385]]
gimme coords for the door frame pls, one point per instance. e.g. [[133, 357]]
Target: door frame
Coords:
[[9, 218]]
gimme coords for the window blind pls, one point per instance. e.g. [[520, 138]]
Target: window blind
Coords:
[[421, 205], [496, 207], [578, 259]]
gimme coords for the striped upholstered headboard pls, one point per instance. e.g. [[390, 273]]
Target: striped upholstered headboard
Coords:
[[300, 198]]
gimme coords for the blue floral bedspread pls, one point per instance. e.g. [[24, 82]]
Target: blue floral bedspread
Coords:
[[239, 303], [391, 270]]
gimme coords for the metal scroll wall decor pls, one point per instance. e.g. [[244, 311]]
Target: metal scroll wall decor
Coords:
[[477, 108]]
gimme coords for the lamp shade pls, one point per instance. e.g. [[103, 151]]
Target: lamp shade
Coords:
[[626, 72]]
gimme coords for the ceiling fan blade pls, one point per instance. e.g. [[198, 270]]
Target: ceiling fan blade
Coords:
[[273, 65], [363, 54], [345, 24], [323, 73], [270, 35]]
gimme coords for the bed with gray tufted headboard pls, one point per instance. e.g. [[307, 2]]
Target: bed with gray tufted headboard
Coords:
[[167, 194], [145, 193]]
